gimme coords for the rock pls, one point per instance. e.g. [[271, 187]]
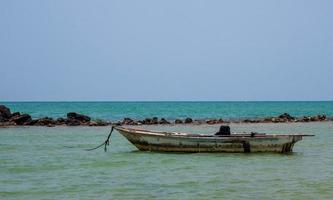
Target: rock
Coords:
[[5, 124], [267, 119], [61, 121], [164, 121], [98, 122], [141, 121], [199, 121], [93, 123], [286, 116], [15, 114], [117, 123], [147, 121], [283, 120], [128, 121], [32, 122], [73, 122], [21, 119], [314, 118], [154, 120], [5, 113], [306, 119], [178, 121], [212, 121], [188, 120], [45, 121], [78, 117], [321, 117], [246, 120], [251, 121], [275, 120]]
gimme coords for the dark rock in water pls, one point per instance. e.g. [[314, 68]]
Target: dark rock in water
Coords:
[[267, 120], [73, 122], [275, 120], [61, 121], [4, 124], [321, 117], [32, 122], [78, 117], [93, 123], [286, 116], [15, 114], [45, 121], [199, 121], [99, 122], [251, 121], [154, 120], [282, 120], [147, 121], [5, 113], [128, 121], [178, 121], [21, 119], [188, 120], [306, 119], [314, 119], [164, 121], [141, 122], [117, 123], [212, 121], [2, 119]]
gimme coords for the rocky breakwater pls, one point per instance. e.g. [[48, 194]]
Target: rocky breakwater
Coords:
[[283, 118], [73, 119]]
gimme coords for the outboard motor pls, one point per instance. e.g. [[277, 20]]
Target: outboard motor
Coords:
[[224, 130]]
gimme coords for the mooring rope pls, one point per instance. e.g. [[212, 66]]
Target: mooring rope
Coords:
[[105, 143]]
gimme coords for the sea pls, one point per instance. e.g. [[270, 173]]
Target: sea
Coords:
[[52, 163]]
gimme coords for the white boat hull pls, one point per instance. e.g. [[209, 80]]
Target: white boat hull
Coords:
[[179, 142]]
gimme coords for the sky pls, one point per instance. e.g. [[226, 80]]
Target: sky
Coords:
[[166, 50]]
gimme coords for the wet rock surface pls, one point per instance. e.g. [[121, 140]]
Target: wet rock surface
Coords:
[[178, 121], [4, 112], [21, 119], [164, 121], [188, 120], [8, 119], [78, 117]]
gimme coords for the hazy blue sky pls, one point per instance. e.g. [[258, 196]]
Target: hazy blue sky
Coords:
[[166, 50]]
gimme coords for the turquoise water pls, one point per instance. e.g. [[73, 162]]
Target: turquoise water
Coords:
[[35, 164], [172, 110]]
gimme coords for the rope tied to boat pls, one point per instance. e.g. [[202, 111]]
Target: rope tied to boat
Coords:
[[105, 143]]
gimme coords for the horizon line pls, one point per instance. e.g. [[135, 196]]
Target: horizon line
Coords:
[[151, 101]]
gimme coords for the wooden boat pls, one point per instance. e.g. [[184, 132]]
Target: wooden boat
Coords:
[[146, 140]]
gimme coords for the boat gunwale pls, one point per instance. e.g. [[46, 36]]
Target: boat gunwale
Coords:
[[206, 136]]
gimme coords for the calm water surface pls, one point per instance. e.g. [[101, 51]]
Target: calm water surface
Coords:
[[173, 110], [35, 164]]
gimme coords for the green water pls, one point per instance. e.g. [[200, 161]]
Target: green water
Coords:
[[34, 164], [173, 110]]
